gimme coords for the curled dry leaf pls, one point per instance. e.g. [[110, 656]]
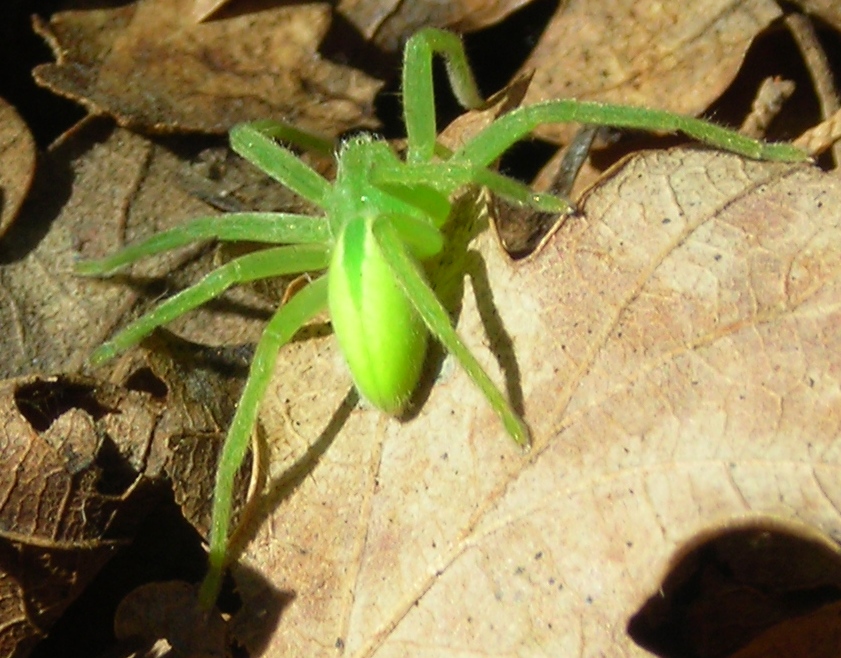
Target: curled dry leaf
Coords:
[[678, 355], [388, 23], [72, 492], [17, 164], [671, 55], [152, 67]]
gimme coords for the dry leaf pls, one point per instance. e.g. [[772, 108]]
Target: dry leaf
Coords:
[[670, 55], [152, 67], [651, 351], [204, 9], [677, 349], [826, 10], [388, 23], [54, 319], [740, 587], [200, 386], [72, 491], [170, 610], [817, 635], [17, 164]]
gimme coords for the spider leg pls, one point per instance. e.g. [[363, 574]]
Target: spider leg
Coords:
[[434, 315], [290, 317], [267, 227], [493, 141], [255, 143], [447, 177], [418, 93], [514, 190], [258, 265], [289, 134]]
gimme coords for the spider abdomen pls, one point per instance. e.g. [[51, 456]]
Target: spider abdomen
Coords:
[[382, 337]]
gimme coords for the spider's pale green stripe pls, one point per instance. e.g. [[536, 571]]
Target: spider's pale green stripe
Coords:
[[290, 317], [354, 245], [489, 144], [267, 227], [279, 163], [251, 267], [382, 337], [436, 318]]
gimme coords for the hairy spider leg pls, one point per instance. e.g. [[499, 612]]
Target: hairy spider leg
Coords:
[[251, 267], [253, 141], [421, 130], [289, 318], [494, 140], [418, 93], [410, 277], [448, 177], [289, 134], [418, 173], [265, 227]]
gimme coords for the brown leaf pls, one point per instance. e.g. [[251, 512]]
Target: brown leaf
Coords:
[[678, 351], [72, 492], [817, 635], [59, 318], [152, 67], [17, 164], [826, 10], [673, 55], [388, 23], [204, 9], [744, 587], [170, 610], [200, 387], [54, 319]]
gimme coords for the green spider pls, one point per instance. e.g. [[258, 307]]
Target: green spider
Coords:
[[382, 216]]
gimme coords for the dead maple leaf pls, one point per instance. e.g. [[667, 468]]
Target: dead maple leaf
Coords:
[[152, 67], [677, 349], [673, 349]]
